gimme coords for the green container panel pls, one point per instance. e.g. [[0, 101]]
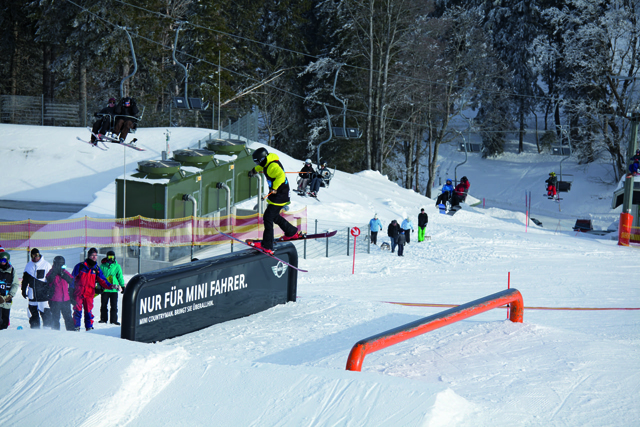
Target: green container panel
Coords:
[[143, 198], [176, 189]]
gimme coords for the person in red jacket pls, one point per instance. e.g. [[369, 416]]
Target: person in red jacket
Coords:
[[85, 275], [460, 192]]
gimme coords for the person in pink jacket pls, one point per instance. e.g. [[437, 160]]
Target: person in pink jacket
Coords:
[[60, 303]]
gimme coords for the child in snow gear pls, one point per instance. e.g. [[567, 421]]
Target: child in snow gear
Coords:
[[401, 241], [306, 173], [460, 192], [113, 272], [104, 122], [59, 280], [407, 227], [85, 275], [125, 118], [552, 182], [278, 197], [8, 288], [423, 220], [392, 231], [34, 287], [375, 225], [445, 196], [634, 168]]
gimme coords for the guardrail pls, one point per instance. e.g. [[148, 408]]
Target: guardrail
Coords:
[[427, 324]]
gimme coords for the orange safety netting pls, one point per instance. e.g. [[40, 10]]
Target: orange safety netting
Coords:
[[136, 231]]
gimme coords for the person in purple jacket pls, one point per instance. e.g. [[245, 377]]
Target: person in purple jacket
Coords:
[[60, 303]]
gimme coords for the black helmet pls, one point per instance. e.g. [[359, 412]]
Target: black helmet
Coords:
[[464, 179], [260, 156], [59, 261], [5, 255]]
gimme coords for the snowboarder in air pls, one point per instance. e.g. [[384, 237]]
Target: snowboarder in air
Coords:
[[104, 122], [552, 182], [278, 197], [126, 112], [447, 191]]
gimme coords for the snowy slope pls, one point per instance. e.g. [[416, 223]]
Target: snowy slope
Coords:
[[285, 366]]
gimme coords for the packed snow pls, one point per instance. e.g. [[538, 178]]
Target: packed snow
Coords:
[[286, 366]]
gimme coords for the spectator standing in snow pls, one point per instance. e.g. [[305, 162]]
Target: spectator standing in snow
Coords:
[[113, 272], [34, 287], [8, 288], [407, 227], [392, 231], [423, 220], [401, 241], [105, 119], [375, 225], [447, 191], [60, 280], [85, 275]]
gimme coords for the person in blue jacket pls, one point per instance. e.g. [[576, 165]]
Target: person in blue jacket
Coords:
[[407, 226], [634, 168], [447, 191], [375, 225]]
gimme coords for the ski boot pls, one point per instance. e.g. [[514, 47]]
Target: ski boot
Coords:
[[296, 236], [258, 245]]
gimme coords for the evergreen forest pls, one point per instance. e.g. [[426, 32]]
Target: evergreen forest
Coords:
[[403, 70]]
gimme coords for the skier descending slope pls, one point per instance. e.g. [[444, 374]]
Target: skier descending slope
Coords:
[[278, 197]]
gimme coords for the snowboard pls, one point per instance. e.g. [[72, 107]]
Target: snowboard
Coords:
[[443, 208], [260, 250], [453, 210]]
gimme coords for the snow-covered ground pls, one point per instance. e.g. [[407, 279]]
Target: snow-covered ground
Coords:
[[286, 366]]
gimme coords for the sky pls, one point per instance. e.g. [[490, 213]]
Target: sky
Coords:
[[568, 364]]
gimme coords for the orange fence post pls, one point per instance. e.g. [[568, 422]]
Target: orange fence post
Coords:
[[427, 324], [624, 230]]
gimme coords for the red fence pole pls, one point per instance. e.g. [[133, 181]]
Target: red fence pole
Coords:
[[427, 324]]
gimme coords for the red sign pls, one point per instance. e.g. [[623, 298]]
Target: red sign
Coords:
[[355, 231]]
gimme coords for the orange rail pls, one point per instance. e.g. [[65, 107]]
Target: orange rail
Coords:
[[427, 324]]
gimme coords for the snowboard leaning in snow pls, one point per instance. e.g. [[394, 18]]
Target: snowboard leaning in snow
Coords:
[[259, 250]]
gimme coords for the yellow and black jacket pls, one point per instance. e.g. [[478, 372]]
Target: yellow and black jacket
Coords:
[[277, 179]]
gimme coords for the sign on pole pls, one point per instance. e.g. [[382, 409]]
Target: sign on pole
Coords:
[[355, 232]]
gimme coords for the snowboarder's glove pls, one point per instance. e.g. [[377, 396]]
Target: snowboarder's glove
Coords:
[[24, 294], [8, 299], [122, 289], [252, 173], [1, 300]]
